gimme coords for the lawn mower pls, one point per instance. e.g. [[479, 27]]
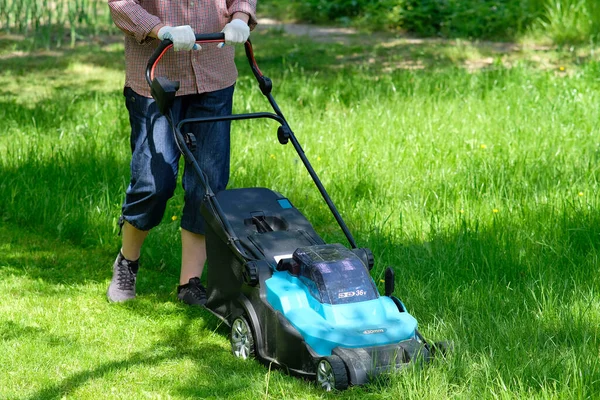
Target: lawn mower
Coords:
[[291, 299]]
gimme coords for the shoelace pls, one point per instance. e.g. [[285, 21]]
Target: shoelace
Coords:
[[198, 292], [125, 277]]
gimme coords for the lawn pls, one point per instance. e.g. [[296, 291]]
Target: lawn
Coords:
[[472, 168]]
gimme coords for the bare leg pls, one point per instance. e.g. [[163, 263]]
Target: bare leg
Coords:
[[193, 255], [132, 242]]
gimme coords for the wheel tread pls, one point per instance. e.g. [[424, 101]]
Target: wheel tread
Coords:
[[338, 369]]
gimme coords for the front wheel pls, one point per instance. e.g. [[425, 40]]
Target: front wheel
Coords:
[[331, 373], [242, 340]]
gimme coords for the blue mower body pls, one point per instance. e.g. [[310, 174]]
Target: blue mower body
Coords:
[[299, 300], [354, 315]]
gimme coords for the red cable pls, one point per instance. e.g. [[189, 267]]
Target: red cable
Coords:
[[168, 47]]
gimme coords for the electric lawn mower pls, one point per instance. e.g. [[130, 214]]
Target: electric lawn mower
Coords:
[[291, 299]]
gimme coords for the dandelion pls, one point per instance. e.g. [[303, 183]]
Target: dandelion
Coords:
[[483, 146], [174, 218], [495, 211], [562, 69], [580, 194]]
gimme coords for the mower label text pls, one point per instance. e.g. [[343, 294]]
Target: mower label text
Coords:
[[354, 293], [372, 331]]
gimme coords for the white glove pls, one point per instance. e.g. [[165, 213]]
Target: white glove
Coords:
[[237, 31], [183, 37]]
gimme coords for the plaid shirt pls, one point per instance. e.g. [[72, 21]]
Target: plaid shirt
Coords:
[[200, 71]]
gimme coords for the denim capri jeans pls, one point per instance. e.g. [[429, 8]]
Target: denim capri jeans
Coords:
[[155, 157]]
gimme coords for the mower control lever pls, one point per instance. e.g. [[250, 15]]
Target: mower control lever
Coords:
[[389, 281], [190, 141], [283, 134]]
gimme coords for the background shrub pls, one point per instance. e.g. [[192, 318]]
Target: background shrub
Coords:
[[53, 22], [564, 21], [469, 18]]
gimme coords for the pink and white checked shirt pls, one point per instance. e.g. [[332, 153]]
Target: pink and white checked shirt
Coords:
[[200, 71]]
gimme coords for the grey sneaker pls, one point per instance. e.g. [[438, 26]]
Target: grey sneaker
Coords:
[[192, 293], [122, 285]]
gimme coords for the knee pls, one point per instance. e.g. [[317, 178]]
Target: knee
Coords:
[[145, 204], [163, 190]]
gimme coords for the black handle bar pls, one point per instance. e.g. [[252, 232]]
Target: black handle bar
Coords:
[[264, 82], [265, 87], [167, 44]]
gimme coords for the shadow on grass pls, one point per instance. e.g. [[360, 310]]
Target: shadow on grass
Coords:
[[16, 59], [55, 116], [519, 295], [274, 47], [524, 305], [175, 346], [388, 52], [10, 330]]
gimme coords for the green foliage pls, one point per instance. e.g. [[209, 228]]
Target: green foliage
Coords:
[[372, 14], [55, 23], [469, 18], [561, 20], [572, 21], [365, 12]]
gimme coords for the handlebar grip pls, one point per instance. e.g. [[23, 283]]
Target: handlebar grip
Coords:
[[210, 37], [166, 44]]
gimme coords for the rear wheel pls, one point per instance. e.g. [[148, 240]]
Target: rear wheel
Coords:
[[331, 373], [242, 339]]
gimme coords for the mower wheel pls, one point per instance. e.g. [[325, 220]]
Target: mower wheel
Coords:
[[331, 373], [242, 339]]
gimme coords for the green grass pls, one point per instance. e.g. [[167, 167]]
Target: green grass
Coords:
[[480, 187]]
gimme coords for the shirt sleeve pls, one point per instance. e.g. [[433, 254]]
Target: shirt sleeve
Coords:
[[245, 6], [131, 18]]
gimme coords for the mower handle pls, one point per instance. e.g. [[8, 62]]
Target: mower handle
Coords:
[[284, 133], [264, 82]]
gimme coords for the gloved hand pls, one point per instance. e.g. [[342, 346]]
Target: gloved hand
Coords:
[[183, 37], [237, 31]]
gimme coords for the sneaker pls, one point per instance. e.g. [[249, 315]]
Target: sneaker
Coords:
[[122, 285], [192, 293]]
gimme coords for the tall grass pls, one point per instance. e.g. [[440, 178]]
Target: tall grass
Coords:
[[572, 21], [51, 22]]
